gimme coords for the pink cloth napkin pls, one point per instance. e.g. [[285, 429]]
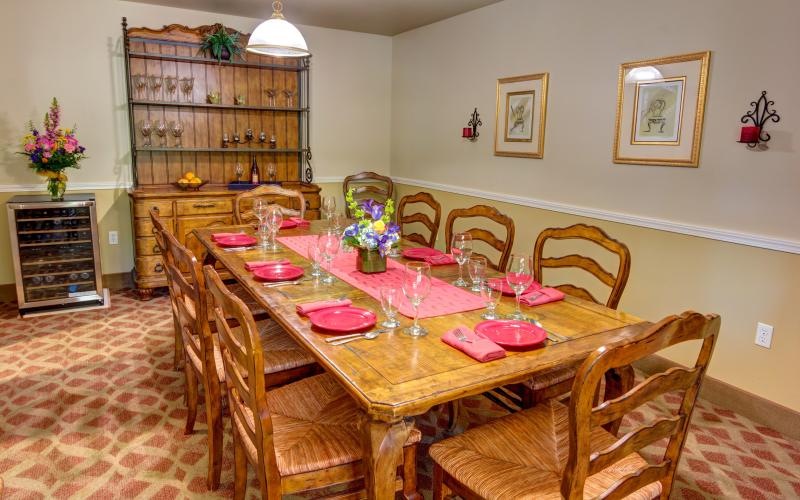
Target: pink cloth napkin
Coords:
[[300, 222], [309, 307], [481, 348], [440, 260], [255, 264], [541, 296], [217, 236]]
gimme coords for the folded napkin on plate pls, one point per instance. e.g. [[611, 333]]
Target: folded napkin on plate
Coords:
[[308, 307], [481, 348], [300, 221], [541, 296], [255, 264], [217, 236], [440, 259]]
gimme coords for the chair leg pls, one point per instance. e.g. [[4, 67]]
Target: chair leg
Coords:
[[439, 488], [191, 397], [239, 466], [178, 361], [453, 412], [410, 473], [215, 436], [618, 382]]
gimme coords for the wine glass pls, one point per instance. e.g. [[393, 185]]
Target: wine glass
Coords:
[[140, 83], [289, 95], [328, 207], [146, 128], [155, 87], [271, 96], [519, 278], [416, 287], [491, 291], [476, 266], [161, 132], [187, 85], [176, 128], [271, 172], [238, 170], [171, 84], [314, 255], [328, 248], [390, 295], [461, 248], [260, 209], [274, 221]]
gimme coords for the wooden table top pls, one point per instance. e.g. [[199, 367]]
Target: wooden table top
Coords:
[[397, 375]]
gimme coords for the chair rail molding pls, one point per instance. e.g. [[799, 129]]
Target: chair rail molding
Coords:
[[71, 186], [726, 235]]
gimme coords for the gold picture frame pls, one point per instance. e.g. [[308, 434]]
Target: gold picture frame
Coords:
[[521, 115], [656, 99]]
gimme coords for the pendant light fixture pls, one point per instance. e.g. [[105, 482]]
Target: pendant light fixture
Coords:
[[277, 37]]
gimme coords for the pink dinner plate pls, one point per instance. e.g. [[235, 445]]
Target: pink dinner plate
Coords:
[[507, 290], [278, 272], [288, 224], [243, 240], [511, 333], [343, 319], [420, 253]]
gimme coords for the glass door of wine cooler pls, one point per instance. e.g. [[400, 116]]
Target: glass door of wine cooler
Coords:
[[55, 249]]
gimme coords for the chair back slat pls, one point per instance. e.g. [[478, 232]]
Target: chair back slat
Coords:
[[633, 482], [491, 213], [586, 233], [674, 379], [291, 202], [584, 460], [242, 355], [423, 218], [576, 291], [368, 185]]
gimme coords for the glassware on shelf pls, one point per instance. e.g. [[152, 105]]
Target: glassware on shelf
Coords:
[[240, 100], [146, 128], [390, 296], [156, 82], [187, 85], [476, 267], [271, 172], [273, 142], [237, 138], [519, 277], [271, 96], [461, 248], [161, 132], [225, 140], [214, 97], [289, 97], [248, 135], [238, 170], [171, 84], [416, 287], [262, 137], [140, 84], [176, 127]]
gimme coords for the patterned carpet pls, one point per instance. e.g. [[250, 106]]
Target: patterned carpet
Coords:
[[91, 408]]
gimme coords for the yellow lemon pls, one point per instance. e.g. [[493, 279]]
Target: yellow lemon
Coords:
[[196, 180], [183, 181], [188, 176]]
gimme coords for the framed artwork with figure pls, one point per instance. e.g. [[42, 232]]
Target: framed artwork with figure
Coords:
[[660, 108], [520, 116]]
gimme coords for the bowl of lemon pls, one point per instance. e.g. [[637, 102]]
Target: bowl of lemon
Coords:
[[190, 182]]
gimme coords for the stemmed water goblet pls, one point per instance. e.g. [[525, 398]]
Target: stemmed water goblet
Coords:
[[156, 83], [491, 291], [238, 170], [289, 96], [328, 248], [161, 132], [390, 295], [187, 85], [176, 127], [140, 83], [260, 210], [519, 277], [171, 84], [416, 287], [314, 255], [274, 221], [271, 96], [461, 248], [271, 173], [146, 128], [476, 266], [328, 207]]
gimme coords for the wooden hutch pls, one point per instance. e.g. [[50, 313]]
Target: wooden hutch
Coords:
[[168, 82]]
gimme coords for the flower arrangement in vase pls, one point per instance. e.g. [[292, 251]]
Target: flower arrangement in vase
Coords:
[[373, 234], [52, 151]]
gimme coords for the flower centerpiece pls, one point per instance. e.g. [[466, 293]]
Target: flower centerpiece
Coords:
[[53, 151], [373, 233]]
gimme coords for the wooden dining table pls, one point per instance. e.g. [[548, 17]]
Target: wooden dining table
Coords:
[[395, 376]]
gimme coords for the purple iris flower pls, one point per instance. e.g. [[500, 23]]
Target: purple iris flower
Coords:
[[375, 210], [351, 230]]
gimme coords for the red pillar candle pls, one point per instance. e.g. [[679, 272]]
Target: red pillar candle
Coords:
[[466, 132], [750, 134]]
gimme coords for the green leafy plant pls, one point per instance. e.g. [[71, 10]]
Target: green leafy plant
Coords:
[[218, 43]]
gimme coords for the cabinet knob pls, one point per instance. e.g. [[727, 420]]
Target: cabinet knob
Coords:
[[158, 268], [155, 209], [156, 249]]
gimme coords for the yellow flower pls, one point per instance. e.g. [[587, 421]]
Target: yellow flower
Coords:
[[379, 226], [50, 174]]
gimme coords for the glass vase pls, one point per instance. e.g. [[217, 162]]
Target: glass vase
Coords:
[[370, 261], [56, 188]]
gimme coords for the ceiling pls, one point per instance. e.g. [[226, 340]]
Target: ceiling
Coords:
[[382, 17]]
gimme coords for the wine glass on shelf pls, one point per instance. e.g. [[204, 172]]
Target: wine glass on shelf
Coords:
[[313, 255], [390, 295], [519, 277], [140, 84], [328, 248], [176, 127], [147, 129], [271, 96], [161, 132], [289, 97], [156, 82], [491, 291], [187, 85], [171, 84], [238, 170], [461, 248], [274, 221], [260, 210], [271, 172], [416, 287], [328, 207], [476, 267]]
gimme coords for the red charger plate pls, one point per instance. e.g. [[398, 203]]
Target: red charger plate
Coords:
[[278, 272], [420, 253], [288, 224], [507, 290], [237, 241], [343, 319], [511, 333]]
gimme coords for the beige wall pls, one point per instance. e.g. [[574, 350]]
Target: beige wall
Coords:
[[74, 52]]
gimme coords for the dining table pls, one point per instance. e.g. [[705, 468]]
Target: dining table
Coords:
[[395, 376]]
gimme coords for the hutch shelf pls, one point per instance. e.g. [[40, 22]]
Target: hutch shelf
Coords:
[[182, 107]]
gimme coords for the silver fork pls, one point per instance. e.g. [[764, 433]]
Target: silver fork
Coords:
[[460, 335]]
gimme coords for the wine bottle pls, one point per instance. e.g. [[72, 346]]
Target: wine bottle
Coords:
[[254, 177]]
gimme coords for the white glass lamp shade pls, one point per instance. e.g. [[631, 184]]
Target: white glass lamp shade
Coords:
[[277, 37]]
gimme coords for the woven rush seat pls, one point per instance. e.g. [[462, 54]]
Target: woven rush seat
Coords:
[[524, 455], [315, 426], [550, 378], [246, 297]]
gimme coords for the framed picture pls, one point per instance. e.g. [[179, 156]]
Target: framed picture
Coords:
[[660, 107], [520, 116]]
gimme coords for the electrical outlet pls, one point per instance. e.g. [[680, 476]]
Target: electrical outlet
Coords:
[[764, 335], [113, 237]]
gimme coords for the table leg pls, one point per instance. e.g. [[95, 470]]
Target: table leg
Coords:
[[383, 449], [209, 260]]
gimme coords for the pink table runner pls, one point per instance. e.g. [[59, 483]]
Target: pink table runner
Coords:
[[444, 298]]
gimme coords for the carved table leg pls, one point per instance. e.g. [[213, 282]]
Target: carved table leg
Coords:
[[145, 294], [383, 449]]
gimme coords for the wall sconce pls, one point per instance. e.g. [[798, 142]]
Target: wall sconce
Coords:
[[759, 115], [470, 132]]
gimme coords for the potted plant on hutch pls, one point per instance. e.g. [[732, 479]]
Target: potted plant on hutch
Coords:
[[373, 234], [222, 45]]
